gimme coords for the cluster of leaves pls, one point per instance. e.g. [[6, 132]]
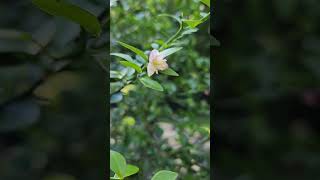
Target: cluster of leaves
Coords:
[[139, 64], [141, 117], [122, 170]]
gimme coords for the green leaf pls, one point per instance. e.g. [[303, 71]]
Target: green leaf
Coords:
[[170, 51], [71, 12], [123, 56], [165, 175], [205, 17], [206, 2], [115, 177], [115, 98], [116, 75], [192, 22], [131, 170], [117, 163], [128, 88], [169, 72], [135, 50], [132, 65], [115, 86], [149, 83], [189, 31]]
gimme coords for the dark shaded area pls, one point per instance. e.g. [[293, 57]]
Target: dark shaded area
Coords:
[[267, 98], [52, 95]]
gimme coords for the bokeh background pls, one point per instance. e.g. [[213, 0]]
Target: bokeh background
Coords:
[[266, 89], [53, 95], [162, 130]]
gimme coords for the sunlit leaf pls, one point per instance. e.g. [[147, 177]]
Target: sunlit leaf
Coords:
[[131, 170], [192, 22], [165, 175], [206, 2], [128, 88], [117, 163]]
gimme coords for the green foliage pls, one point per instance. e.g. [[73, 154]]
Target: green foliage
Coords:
[[118, 164], [170, 51], [71, 12], [132, 65], [123, 170], [169, 72], [167, 103], [135, 50], [164, 174], [148, 82]]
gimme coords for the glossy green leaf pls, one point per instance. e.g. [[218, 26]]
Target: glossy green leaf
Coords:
[[74, 13], [118, 164], [132, 65], [169, 72], [135, 50], [123, 56], [165, 175], [170, 51], [149, 83], [130, 170], [206, 2]]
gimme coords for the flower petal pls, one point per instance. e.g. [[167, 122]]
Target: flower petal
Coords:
[[151, 69], [153, 55], [163, 65]]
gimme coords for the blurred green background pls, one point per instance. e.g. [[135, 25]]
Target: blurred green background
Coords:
[[52, 95], [162, 130], [266, 89]]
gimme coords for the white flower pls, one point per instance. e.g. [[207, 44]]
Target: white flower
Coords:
[[156, 63]]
